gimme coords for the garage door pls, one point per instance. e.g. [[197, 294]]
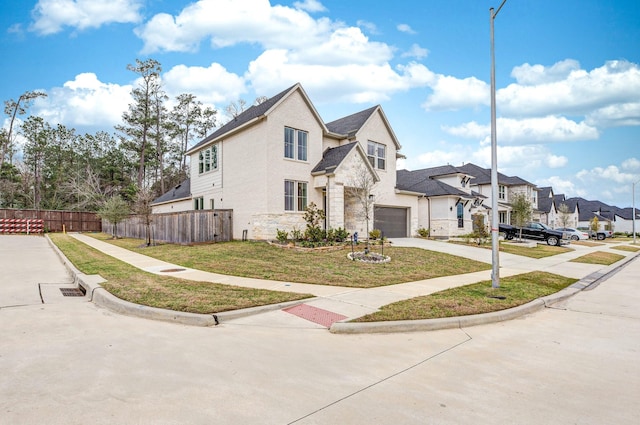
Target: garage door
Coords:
[[392, 221]]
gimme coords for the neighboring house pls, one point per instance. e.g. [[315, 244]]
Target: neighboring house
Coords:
[[624, 220], [606, 214], [272, 160], [508, 187], [573, 212], [547, 206], [447, 204]]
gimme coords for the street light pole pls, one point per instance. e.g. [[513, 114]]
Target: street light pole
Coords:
[[495, 247], [633, 210]]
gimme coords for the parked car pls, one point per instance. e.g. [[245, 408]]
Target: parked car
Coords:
[[602, 234], [535, 231], [574, 234]]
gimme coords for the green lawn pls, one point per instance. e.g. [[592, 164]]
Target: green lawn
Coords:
[[539, 251], [140, 287], [473, 299], [263, 261], [599, 257]]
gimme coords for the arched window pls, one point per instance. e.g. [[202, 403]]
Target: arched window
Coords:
[[460, 211]]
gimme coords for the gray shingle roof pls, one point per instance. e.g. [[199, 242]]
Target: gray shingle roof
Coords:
[[332, 157], [483, 176], [421, 181], [180, 191], [350, 124], [253, 112]]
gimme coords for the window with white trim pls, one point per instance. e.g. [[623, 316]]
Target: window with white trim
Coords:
[[198, 203], [502, 192], [295, 195], [208, 159], [295, 144], [377, 154]]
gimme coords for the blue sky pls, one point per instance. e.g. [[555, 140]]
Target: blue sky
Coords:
[[567, 72]]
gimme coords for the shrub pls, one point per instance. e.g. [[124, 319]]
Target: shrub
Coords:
[[296, 234], [337, 235], [375, 234], [282, 235], [423, 232]]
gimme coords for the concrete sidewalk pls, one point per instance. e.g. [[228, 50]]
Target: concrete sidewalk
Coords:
[[345, 303]]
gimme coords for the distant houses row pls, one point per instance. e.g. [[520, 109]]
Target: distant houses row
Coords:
[[277, 157]]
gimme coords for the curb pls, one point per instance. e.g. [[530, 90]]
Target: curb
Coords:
[[103, 298], [587, 283]]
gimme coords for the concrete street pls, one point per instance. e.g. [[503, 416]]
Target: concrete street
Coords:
[[68, 361]]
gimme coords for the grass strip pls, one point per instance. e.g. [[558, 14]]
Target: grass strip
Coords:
[[131, 284], [263, 261], [627, 248], [599, 257], [539, 251], [476, 298]]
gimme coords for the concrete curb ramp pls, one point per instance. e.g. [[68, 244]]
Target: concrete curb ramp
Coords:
[[103, 298]]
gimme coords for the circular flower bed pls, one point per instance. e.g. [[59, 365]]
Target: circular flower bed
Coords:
[[370, 257]]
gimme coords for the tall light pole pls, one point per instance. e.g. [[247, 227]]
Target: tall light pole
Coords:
[[633, 210], [495, 247]]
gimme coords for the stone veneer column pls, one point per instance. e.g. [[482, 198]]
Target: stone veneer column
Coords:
[[336, 204]]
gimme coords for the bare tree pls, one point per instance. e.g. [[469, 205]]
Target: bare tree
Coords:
[[88, 189], [142, 207], [565, 215], [236, 108], [360, 186]]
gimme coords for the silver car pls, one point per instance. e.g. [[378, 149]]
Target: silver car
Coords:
[[574, 234]]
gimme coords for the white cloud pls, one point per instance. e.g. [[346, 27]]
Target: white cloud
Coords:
[[50, 16], [580, 93], [213, 84], [344, 45], [631, 165], [405, 28], [538, 74], [356, 83], [561, 186], [85, 101], [310, 6], [555, 161], [416, 52], [370, 27], [624, 114], [450, 93], [548, 129], [229, 22]]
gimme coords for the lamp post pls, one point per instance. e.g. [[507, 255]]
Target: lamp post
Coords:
[[495, 247], [633, 210]]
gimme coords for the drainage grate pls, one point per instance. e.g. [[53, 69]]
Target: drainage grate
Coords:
[[72, 292], [172, 270]]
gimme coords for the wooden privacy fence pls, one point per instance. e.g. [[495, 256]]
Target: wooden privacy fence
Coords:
[[56, 221], [186, 227]]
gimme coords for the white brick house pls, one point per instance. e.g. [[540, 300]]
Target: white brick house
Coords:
[[277, 157]]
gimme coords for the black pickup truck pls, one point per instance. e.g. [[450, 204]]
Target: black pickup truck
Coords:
[[535, 231]]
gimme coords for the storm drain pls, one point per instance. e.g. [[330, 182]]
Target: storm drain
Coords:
[[314, 314], [72, 292], [172, 270]]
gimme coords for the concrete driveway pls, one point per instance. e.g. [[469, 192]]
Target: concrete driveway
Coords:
[[66, 361]]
